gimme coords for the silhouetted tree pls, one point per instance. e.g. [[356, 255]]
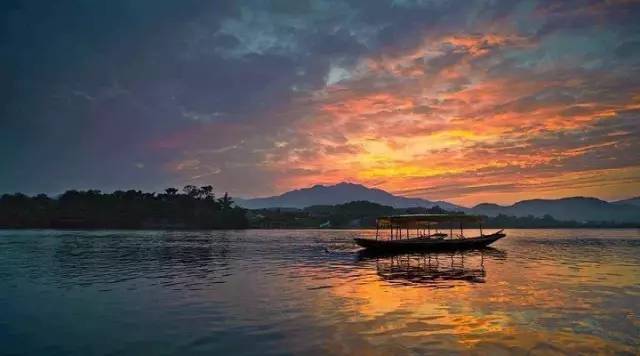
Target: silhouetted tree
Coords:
[[171, 191], [225, 202], [122, 209], [191, 190], [364, 214], [207, 192]]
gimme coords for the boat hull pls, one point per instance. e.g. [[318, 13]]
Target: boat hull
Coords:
[[429, 244]]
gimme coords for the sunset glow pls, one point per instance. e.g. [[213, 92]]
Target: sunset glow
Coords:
[[467, 104]]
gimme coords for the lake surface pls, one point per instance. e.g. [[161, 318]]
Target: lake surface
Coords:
[[310, 291]]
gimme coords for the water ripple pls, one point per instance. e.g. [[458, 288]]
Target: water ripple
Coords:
[[539, 291]]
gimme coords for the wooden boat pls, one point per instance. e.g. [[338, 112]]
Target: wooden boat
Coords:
[[400, 229]]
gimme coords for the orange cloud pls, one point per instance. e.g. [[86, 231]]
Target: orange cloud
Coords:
[[422, 132]]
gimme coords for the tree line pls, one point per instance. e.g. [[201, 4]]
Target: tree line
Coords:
[[193, 208], [363, 214], [198, 208], [355, 214]]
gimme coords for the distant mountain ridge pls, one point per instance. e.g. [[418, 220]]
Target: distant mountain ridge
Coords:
[[631, 201], [573, 208], [339, 194]]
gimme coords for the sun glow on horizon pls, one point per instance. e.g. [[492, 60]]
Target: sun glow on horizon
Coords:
[[480, 103], [456, 131]]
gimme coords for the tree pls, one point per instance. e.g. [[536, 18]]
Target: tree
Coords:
[[132, 209], [206, 192], [191, 190], [225, 202]]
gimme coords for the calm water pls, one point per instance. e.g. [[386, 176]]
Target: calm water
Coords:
[[289, 292]]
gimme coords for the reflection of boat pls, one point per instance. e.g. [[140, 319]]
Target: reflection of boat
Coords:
[[401, 227], [432, 267], [372, 254]]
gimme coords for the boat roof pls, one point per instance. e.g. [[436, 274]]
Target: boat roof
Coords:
[[427, 218]]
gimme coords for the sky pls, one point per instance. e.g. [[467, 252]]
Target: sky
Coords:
[[464, 101]]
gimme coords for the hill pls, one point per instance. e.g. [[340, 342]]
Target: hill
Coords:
[[340, 194], [363, 214], [574, 208], [632, 201]]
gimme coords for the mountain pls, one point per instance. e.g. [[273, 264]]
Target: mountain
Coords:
[[339, 194], [575, 208], [632, 201]]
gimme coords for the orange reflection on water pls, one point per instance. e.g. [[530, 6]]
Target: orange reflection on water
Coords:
[[470, 303]]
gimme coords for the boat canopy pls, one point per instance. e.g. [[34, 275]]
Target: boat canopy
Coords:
[[426, 219]]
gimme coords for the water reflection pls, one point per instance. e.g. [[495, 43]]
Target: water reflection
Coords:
[[296, 292], [433, 268]]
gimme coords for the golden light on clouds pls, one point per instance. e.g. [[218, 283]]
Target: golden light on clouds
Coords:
[[435, 115], [496, 111]]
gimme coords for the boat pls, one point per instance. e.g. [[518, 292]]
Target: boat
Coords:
[[414, 233]]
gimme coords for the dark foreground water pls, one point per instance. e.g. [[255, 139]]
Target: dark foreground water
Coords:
[[293, 292]]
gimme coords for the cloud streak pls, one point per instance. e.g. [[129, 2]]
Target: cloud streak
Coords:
[[495, 101]]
